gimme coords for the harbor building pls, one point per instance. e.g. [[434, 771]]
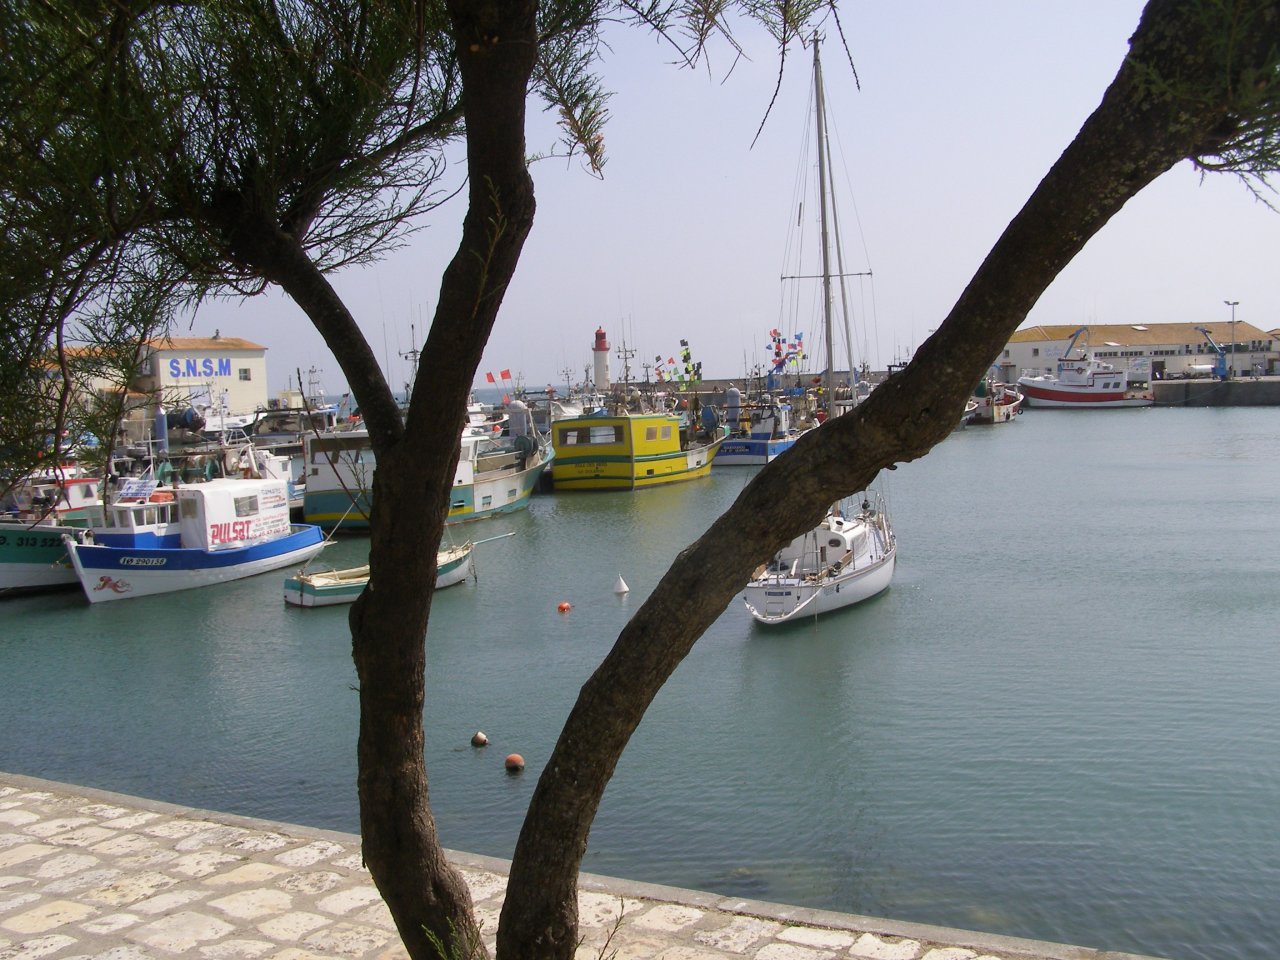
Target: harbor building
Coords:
[[224, 373], [1157, 351]]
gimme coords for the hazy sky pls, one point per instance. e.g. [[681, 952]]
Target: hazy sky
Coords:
[[962, 109]]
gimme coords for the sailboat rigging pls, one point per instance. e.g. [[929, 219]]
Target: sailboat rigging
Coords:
[[850, 555]]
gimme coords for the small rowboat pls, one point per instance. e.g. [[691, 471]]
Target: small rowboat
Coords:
[[323, 588]]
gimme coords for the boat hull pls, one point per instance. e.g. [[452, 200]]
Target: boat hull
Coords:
[[119, 573], [486, 497], [776, 600], [1065, 397], [340, 586], [751, 451], [626, 452], [34, 558]]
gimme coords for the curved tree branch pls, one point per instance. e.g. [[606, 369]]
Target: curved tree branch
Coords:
[[1134, 135]]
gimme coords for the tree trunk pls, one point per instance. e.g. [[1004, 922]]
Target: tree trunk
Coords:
[[1140, 130], [496, 45]]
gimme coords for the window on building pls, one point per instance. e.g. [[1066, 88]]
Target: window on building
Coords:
[[1035, 352], [245, 374]]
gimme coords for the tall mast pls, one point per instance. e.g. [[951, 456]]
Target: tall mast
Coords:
[[820, 119]]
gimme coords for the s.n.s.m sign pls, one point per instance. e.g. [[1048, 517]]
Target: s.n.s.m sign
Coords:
[[202, 367]]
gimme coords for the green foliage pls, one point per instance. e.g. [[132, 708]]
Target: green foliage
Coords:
[[1222, 69]]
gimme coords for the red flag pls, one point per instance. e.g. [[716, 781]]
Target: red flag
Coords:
[[506, 374], [489, 377]]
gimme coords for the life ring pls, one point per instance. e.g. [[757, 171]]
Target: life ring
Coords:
[[161, 496], [1079, 369]]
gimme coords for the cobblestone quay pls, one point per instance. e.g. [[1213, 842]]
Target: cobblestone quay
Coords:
[[89, 875]]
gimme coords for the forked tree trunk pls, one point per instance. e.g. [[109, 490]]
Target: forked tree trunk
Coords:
[[1138, 132], [496, 45]]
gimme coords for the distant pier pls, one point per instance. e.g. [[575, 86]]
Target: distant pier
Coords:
[[1245, 392]]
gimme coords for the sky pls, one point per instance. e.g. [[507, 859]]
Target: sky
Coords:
[[962, 109]]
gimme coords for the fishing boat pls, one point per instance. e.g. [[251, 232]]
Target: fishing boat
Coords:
[[845, 559], [1082, 382], [496, 473], [997, 402], [34, 516], [970, 408], [628, 451], [758, 431], [850, 555], [323, 588], [163, 539]]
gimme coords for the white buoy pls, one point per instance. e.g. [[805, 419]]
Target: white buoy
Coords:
[[621, 586]]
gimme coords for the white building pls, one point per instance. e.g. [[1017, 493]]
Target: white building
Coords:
[[225, 373], [1156, 350]]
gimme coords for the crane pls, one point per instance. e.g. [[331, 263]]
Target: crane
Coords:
[[1220, 369]]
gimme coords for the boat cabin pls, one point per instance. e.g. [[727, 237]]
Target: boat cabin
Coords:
[[221, 514]]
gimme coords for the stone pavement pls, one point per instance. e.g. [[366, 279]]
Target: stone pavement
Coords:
[[89, 875]]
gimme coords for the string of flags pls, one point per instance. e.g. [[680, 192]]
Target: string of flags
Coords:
[[686, 372], [785, 351]]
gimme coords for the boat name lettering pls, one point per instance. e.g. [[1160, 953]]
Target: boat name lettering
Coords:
[[142, 561], [230, 531], [32, 541]]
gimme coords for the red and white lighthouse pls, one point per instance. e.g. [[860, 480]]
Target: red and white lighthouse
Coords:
[[600, 357]]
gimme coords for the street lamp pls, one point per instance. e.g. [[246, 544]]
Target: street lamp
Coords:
[[1232, 304]]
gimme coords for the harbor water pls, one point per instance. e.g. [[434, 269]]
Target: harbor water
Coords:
[[1059, 723]]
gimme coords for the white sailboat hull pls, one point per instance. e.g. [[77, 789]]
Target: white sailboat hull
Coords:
[[780, 599]]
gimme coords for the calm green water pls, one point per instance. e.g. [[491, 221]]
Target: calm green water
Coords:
[[1059, 723]]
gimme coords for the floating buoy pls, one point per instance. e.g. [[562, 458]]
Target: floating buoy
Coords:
[[565, 606], [621, 586], [478, 739], [514, 763]]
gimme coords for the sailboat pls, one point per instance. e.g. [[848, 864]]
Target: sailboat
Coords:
[[850, 555]]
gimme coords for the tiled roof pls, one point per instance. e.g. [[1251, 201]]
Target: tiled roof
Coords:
[[1140, 334], [203, 343]]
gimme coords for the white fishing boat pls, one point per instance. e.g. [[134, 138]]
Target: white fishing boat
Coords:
[[324, 588], [845, 559], [496, 474], [850, 555], [162, 539], [1082, 382], [995, 402]]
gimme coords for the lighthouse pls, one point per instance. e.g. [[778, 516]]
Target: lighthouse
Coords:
[[600, 357]]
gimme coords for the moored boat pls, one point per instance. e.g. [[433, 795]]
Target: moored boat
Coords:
[[323, 588], [160, 540], [997, 402], [758, 431], [37, 513], [844, 560], [495, 474], [627, 451], [1082, 382]]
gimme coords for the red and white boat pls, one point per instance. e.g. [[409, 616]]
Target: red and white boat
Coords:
[[995, 402], [1082, 382]]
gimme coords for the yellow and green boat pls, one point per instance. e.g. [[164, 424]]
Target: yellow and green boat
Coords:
[[628, 450]]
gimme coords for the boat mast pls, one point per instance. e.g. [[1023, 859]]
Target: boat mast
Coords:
[[820, 120]]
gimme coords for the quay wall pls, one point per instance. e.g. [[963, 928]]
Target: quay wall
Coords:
[[1262, 392], [1250, 392]]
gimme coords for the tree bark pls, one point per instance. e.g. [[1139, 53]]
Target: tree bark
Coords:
[[496, 45], [1140, 130]]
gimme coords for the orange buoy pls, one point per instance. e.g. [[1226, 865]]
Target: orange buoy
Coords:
[[514, 763], [478, 739], [565, 606]]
